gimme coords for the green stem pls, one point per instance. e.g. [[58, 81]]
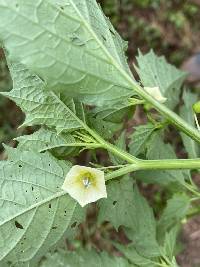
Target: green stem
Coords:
[[169, 164], [121, 172], [173, 164], [170, 115], [165, 111]]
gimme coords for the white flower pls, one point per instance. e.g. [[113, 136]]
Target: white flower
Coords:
[[85, 184], [155, 93]]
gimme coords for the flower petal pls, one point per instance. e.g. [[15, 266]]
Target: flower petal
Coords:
[[75, 186]]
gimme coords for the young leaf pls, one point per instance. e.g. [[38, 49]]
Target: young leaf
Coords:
[[84, 52], [187, 113], [139, 138], [83, 258], [170, 242], [34, 211], [155, 71], [174, 212], [40, 107]]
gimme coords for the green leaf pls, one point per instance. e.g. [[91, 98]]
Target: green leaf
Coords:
[[45, 139], [121, 143], [40, 107], [170, 242], [155, 71], [119, 204], [34, 211], [125, 206], [134, 257], [114, 113], [157, 149], [187, 113], [176, 210], [104, 128], [140, 137], [83, 258], [73, 48]]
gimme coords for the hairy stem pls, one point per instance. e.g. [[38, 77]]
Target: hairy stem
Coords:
[[173, 164]]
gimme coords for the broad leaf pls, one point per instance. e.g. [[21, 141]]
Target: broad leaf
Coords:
[[134, 257], [83, 258], [45, 139], [73, 47], [34, 211], [187, 113], [128, 208], [155, 71], [119, 204], [140, 137], [40, 107]]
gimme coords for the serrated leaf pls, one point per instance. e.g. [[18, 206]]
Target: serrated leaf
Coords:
[[157, 149], [121, 143], [34, 211], [170, 242], [118, 204], [83, 258], [45, 139], [174, 212], [40, 107], [74, 48], [104, 128], [132, 255], [125, 206], [114, 113], [154, 71], [187, 113], [139, 138]]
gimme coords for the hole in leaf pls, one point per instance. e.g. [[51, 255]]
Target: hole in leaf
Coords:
[[32, 188], [49, 164], [113, 33], [114, 203], [54, 227], [104, 38], [49, 205], [20, 165], [74, 225], [18, 225]]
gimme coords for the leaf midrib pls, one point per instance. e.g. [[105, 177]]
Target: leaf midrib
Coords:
[[36, 205]]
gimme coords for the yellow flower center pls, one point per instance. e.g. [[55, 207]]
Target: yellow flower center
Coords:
[[87, 179]]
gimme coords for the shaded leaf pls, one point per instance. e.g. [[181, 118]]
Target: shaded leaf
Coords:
[[155, 71], [139, 138], [83, 258], [40, 107]]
